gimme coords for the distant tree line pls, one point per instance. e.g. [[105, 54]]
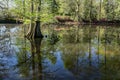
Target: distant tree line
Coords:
[[77, 10]]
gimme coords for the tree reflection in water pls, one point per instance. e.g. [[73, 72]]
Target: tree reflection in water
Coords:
[[77, 52], [98, 48], [36, 58], [36, 66]]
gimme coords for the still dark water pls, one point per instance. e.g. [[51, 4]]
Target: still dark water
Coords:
[[65, 53]]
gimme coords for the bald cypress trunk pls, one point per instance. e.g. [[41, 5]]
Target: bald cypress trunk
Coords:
[[34, 29], [38, 33]]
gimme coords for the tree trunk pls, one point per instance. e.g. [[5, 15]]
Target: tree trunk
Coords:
[[34, 29], [38, 33], [100, 9], [91, 11], [78, 11]]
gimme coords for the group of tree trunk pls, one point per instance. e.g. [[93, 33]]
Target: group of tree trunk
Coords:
[[82, 11], [34, 30]]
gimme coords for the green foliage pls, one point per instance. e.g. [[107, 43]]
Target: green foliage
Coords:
[[54, 7], [53, 38], [108, 7], [76, 9], [90, 10], [86, 10], [111, 9]]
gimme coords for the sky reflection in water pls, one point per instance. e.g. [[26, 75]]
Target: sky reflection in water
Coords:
[[66, 53]]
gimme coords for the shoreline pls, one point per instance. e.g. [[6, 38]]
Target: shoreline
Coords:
[[76, 23], [10, 22]]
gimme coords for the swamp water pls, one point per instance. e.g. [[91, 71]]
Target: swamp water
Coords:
[[65, 53]]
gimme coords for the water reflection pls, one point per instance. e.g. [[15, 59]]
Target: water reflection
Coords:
[[66, 53], [36, 59]]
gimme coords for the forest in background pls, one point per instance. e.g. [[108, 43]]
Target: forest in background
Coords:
[[76, 10]]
